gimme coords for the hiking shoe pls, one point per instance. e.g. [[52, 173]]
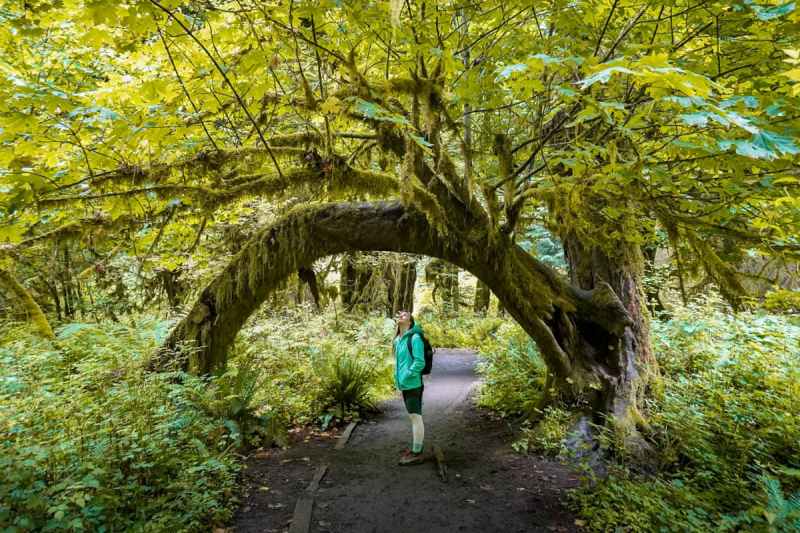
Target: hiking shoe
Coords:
[[411, 458]]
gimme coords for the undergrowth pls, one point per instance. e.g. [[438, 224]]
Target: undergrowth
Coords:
[[513, 372], [463, 331], [321, 367], [726, 429], [89, 441]]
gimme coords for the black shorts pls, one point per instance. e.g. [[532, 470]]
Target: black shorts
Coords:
[[413, 400]]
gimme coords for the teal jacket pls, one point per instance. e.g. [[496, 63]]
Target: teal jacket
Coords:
[[408, 366]]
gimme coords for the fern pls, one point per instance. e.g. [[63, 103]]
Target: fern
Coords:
[[346, 384], [781, 513]]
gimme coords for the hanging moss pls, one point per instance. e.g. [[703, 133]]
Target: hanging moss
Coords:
[[726, 277]]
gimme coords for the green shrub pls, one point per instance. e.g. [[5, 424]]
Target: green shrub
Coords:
[[783, 301], [89, 441], [463, 331], [776, 512], [545, 436], [232, 397], [513, 372]]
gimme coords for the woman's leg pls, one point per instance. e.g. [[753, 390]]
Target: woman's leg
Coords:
[[413, 401], [418, 432]]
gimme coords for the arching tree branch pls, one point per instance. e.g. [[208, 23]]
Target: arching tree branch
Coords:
[[534, 294]]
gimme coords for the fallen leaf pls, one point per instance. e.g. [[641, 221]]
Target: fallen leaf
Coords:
[[470, 501], [264, 488]]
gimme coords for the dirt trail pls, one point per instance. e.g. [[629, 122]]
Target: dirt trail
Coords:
[[490, 488]]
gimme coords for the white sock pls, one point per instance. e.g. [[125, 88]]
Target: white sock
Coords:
[[418, 432]]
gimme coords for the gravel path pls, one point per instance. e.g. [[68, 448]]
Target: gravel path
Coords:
[[490, 488]]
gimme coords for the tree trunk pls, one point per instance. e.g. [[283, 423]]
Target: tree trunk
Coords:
[[309, 277], [624, 363], [586, 335], [444, 277], [400, 277], [482, 297], [172, 285], [356, 277], [452, 294], [347, 280], [56, 300], [433, 274]]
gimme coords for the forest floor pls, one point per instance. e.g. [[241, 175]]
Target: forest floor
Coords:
[[489, 487]]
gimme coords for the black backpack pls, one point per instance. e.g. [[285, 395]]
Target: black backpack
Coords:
[[428, 352]]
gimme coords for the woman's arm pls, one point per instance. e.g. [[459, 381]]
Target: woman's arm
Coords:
[[417, 353]]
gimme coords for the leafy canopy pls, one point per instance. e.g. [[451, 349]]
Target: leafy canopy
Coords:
[[603, 118]]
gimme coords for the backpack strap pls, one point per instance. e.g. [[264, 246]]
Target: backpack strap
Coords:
[[410, 348]]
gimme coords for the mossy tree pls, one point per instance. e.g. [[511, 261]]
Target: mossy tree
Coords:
[[400, 277], [610, 119], [482, 298], [444, 278]]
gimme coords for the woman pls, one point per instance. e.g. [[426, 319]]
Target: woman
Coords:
[[408, 378]]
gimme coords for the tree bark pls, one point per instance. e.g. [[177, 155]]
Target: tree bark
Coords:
[[172, 285], [347, 280], [578, 330], [357, 276], [623, 363], [452, 293]]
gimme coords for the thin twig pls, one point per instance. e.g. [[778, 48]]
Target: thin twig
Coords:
[[605, 27], [185, 90]]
